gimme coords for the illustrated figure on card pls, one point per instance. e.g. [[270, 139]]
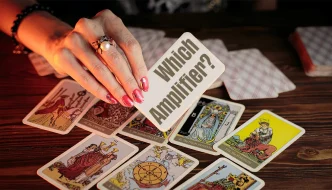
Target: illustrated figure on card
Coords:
[[156, 169], [143, 129], [207, 125], [257, 143], [105, 119], [80, 168], [222, 175], [60, 110]]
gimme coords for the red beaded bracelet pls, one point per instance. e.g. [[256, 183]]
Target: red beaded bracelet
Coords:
[[19, 48]]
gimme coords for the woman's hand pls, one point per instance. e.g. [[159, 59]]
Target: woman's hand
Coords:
[[111, 78]]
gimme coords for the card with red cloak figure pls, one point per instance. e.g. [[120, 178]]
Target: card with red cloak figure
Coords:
[[87, 162], [60, 110]]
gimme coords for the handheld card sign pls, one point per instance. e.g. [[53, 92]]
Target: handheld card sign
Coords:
[[179, 78]]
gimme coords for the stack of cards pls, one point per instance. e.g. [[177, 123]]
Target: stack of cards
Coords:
[[314, 46]]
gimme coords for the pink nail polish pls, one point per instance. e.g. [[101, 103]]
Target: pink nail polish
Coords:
[[111, 99], [144, 84], [127, 101], [138, 96]]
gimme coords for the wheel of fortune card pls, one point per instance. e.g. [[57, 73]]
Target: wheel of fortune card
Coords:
[[150, 175]]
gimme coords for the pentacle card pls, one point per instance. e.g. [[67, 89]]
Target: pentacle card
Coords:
[[83, 165], [141, 128], [155, 168], [106, 119], [207, 122], [61, 108], [255, 143], [177, 80], [223, 174]]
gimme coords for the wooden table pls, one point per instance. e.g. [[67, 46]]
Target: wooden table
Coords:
[[24, 149]]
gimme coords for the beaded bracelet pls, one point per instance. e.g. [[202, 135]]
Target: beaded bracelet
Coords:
[[19, 48]]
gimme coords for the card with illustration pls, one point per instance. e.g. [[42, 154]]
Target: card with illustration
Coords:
[[106, 119], [155, 168], [142, 129], [207, 122], [255, 143], [61, 108], [83, 165], [223, 174]]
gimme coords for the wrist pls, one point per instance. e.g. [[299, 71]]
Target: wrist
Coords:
[[42, 32]]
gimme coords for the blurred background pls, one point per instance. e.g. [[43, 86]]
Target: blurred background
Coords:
[[217, 13]]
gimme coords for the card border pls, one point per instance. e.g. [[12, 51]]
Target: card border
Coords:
[[116, 131], [302, 131], [186, 107], [181, 187], [196, 162], [58, 185], [186, 116], [144, 139], [26, 122]]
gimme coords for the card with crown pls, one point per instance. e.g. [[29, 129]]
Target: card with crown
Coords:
[[206, 123], [60, 110], [83, 165], [223, 174], [259, 140]]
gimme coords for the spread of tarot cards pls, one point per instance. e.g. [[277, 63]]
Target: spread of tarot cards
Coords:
[[201, 123]]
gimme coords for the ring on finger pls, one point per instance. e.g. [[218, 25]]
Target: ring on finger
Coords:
[[103, 44]]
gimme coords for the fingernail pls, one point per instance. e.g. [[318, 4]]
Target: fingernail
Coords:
[[111, 99], [127, 101], [138, 96], [144, 84]]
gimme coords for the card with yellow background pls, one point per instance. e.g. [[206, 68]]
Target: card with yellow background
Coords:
[[259, 140]]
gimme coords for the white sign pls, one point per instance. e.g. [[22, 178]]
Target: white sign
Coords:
[[177, 80]]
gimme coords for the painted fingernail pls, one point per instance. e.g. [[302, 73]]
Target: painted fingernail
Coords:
[[127, 101], [144, 84], [111, 99], [138, 96]]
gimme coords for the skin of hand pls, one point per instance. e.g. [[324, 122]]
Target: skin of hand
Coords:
[[110, 78], [68, 49]]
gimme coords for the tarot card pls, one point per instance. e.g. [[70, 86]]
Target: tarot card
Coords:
[[223, 174], [259, 140], [83, 165], [61, 108], [207, 122], [142, 129], [41, 65], [106, 119], [254, 79], [156, 167]]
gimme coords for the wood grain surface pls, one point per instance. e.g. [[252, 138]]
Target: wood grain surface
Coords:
[[24, 149]]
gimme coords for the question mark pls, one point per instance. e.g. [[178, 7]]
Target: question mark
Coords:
[[206, 57]]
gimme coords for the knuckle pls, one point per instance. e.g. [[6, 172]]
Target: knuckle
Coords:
[[60, 53], [85, 79], [82, 23], [116, 89], [73, 39], [99, 68], [131, 81], [140, 69], [132, 44]]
